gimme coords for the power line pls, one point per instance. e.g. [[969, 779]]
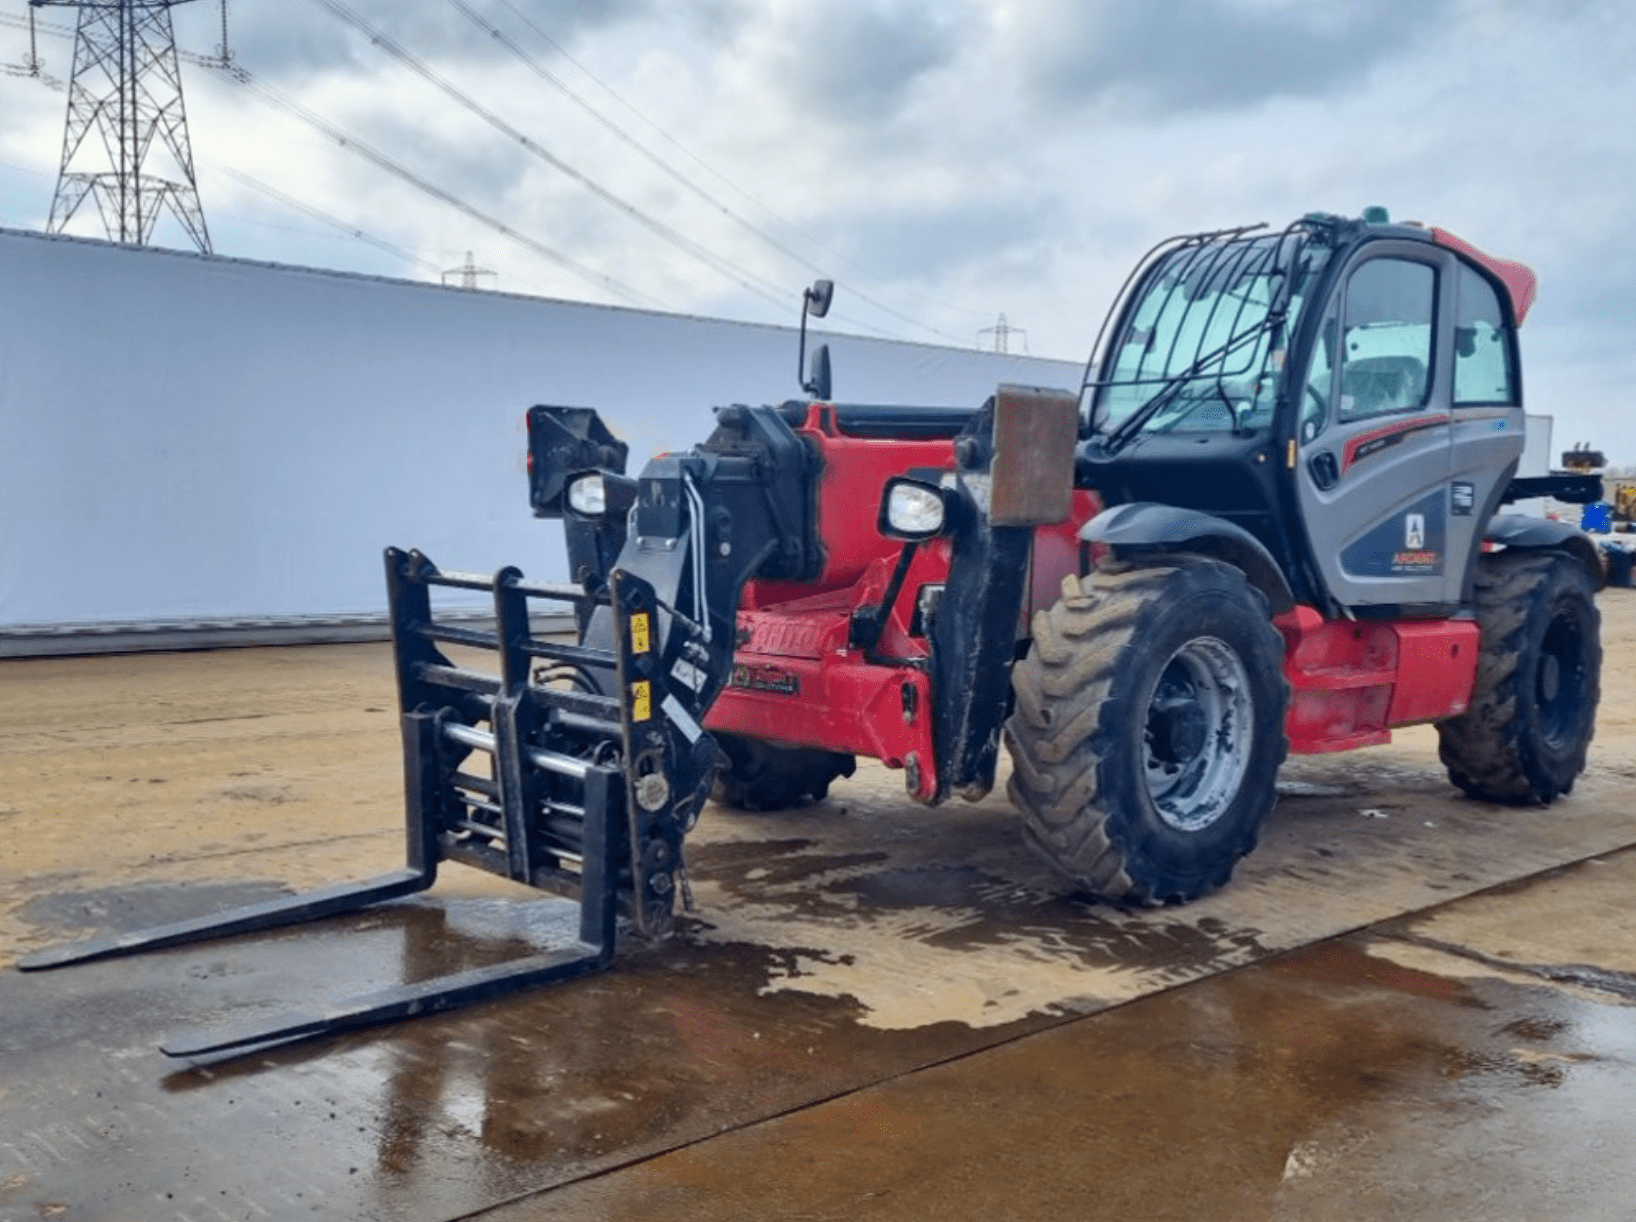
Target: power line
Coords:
[[467, 273], [764, 289], [282, 101], [772, 293], [545, 74], [1002, 332], [245, 179], [352, 231], [729, 183]]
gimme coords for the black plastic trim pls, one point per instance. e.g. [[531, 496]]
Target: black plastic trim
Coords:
[[1515, 530], [903, 423], [1148, 528]]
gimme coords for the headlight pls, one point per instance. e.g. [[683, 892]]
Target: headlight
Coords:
[[912, 510], [588, 496]]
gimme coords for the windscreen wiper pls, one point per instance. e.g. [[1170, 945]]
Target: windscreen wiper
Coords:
[[1123, 433]]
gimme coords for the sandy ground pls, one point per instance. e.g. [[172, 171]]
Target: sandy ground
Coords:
[[833, 948]]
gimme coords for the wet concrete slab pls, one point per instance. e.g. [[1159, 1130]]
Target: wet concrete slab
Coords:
[[701, 1037], [858, 945], [420, 1120], [1331, 1082]]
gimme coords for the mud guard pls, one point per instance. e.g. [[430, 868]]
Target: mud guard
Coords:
[[1522, 531], [1150, 528]]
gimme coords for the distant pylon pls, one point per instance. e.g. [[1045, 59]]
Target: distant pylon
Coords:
[[468, 273], [127, 87], [1002, 332]]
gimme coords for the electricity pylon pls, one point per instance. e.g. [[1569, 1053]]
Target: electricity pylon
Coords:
[[1002, 332], [127, 88], [467, 274]]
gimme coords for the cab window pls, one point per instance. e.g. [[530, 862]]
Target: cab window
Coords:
[[1386, 345], [1483, 350], [1320, 384]]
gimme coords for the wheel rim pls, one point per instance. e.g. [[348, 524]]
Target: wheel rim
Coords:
[[1559, 679], [1196, 742]]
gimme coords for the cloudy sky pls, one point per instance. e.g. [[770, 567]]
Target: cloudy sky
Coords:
[[945, 161]]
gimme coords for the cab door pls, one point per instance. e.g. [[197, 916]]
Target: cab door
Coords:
[[1374, 433], [1489, 427]]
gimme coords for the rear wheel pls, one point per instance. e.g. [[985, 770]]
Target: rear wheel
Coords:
[[1524, 737], [1149, 728], [766, 776]]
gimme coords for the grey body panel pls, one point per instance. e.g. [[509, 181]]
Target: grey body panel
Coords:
[[1393, 502]]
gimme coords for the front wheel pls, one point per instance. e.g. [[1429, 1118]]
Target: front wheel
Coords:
[[764, 776], [1524, 737], [1149, 728]]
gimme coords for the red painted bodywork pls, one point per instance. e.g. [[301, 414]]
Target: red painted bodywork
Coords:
[[795, 678], [1399, 428], [1351, 682], [1519, 279]]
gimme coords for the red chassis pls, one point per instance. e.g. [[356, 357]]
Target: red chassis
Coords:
[[798, 679]]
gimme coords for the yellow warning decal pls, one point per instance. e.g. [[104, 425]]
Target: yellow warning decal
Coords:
[[639, 633], [641, 699]]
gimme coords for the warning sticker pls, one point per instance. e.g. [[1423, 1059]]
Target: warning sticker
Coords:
[[765, 679], [641, 700], [682, 719], [640, 642], [685, 672]]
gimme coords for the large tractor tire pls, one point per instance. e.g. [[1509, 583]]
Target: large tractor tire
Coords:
[[765, 776], [1149, 728], [1523, 739]]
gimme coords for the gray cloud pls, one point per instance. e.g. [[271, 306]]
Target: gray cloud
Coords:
[[296, 39], [857, 62], [949, 235], [972, 155], [1189, 55]]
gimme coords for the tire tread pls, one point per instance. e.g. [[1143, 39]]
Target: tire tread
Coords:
[[1062, 725]]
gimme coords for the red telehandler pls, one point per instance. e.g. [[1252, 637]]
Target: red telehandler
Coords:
[[1270, 520]]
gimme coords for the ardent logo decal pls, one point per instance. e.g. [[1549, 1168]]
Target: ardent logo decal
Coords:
[[1416, 562]]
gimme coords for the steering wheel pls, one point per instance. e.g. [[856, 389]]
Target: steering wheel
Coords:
[[1313, 418]]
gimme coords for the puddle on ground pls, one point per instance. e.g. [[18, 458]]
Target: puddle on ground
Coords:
[[915, 945], [1326, 1084]]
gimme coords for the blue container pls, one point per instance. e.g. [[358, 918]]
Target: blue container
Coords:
[[1597, 516]]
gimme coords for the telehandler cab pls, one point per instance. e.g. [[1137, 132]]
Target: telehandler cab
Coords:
[[1269, 521]]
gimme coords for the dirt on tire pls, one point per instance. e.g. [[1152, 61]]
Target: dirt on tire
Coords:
[[1076, 737], [1525, 737]]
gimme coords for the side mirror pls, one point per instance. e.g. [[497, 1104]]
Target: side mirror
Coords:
[[814, 301], [819, 384], [819, 296]]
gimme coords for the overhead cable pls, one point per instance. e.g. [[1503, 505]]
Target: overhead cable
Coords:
[[529, 61], [282, 101], [346, 227], [734, 187], [770, 292]]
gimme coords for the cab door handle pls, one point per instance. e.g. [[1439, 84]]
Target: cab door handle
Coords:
[[1321, 466]]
